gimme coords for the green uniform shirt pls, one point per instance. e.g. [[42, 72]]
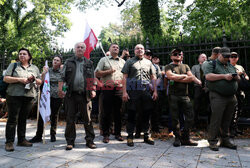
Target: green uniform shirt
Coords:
[[18, 89], [178, 88], [139, 70], [117, 65], [222, 87], [54, 77]]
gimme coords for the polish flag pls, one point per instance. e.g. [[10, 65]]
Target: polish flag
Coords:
[[90, 40]]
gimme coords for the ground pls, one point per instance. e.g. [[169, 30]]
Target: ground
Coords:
[[118, 154]]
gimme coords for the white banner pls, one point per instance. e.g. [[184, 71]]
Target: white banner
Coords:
[[45, 98]]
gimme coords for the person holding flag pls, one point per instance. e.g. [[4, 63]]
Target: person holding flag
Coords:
[[77, 73], [55, 101]]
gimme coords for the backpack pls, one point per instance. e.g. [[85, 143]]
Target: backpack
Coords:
[[244, 84], [4, 85]]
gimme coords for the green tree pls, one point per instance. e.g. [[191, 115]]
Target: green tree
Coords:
[[33, 24], [209, 18], [150, 17]]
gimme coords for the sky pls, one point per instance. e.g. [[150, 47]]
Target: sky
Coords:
[[96, 20]]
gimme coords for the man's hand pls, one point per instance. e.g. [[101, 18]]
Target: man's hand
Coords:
[[155, 95], [45, 69], [111, 71], [125, 96], [92, 94], [228, 77], [23, 80], [61, 94]]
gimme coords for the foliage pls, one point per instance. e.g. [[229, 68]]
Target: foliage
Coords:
[[32, 24], [211, 17], [150, 17]]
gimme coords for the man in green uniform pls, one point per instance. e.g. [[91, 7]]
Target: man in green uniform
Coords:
[[221, 81], [137, 75], [180, 75]]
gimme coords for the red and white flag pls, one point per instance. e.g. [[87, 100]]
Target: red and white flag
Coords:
[[90, 40]]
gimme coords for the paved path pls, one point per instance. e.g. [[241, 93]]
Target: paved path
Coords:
[[118, 154]]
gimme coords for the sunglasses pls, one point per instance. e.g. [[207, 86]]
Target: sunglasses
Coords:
[[226, 56], [234, 56], [176, 54]]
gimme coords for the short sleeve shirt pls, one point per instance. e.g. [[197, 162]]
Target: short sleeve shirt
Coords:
[[117, 64], [139, 70], [18, 89], [222, 87], [178, 88], [54, 77]]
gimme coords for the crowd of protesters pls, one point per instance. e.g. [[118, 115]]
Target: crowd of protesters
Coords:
[[135, 86]]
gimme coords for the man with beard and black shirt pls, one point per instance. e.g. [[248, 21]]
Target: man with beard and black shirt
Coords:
[[180, 75]]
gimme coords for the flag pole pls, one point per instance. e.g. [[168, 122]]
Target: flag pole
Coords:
[[105, 53], [38, 106]]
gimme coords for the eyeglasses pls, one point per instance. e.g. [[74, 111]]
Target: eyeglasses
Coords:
[[177, 54], [234, 56]]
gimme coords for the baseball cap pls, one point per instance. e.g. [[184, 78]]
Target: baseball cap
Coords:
[[216, 50], [225, 52], [176, 50], [148, 52], [234, 53]]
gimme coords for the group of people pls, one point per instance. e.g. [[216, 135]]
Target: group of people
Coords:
[[135, 82]]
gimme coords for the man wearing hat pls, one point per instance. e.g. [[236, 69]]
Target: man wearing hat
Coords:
[[240, 95], [180, 75], [222, 84]]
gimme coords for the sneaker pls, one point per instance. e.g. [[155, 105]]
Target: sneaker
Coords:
[[130, 142], [177, 142], [35, 139], [228, 144], [25, 143], [52, 138], [91, 145], [9, 147], [119, 138], [105, 139], [214, 147], [149, 141]]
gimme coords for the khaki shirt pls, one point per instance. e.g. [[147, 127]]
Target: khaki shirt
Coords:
[[18, 89], [54, 77], [114, 79], [139, 70]]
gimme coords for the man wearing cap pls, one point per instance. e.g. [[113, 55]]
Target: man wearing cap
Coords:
[[180, 75], [199, 91], [137, 75], [240, 95], [109, 70], [222, 84]]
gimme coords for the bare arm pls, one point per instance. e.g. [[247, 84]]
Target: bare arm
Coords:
[[100, 74], [11, 79], [215, 77], [154, 80], [125, 96]]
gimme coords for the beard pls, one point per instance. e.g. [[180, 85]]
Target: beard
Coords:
[[176, 60]]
